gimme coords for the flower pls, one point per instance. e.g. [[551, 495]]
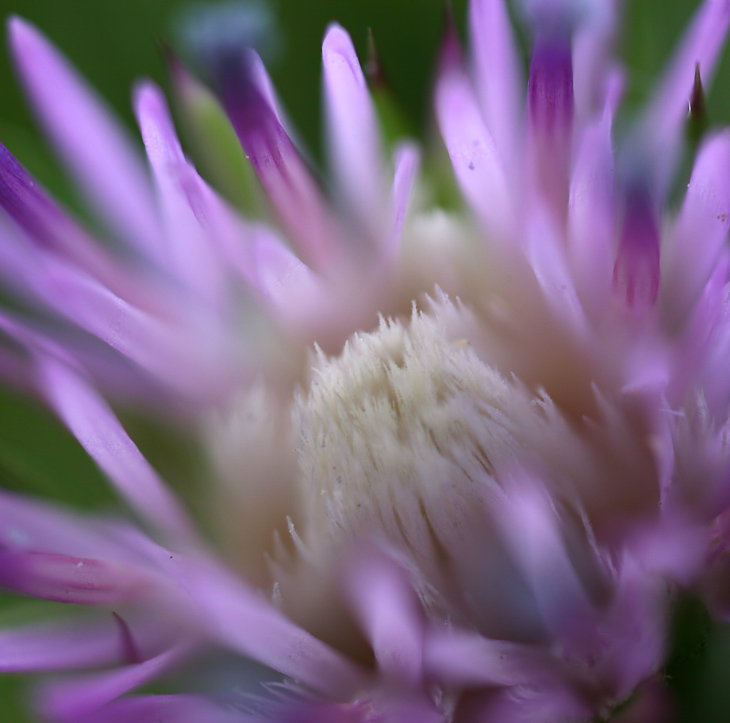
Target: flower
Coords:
[[479, 506]]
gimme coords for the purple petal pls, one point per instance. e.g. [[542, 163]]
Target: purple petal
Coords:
[[498, 75], [388, 610], [180, 343], [242, 620], [700, 230], [293, 290], [532, 704], [467, 659], [406, 163], [591, 216], [593, 59], [636, 273], [546, 252], [72, 699], [183, 201], [27, 205], [66, 579], [93, 146], [636, 627], [478, 166], [531, 529], [550, 101], [550, 108], [99, 432], [47, 225], [59, 646], [165, 709], [352, 129], [26, 525], [287, 182]]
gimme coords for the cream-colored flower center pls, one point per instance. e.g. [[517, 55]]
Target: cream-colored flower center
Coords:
[[400, 437]]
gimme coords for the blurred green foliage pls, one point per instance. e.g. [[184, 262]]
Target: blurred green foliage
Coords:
[[114, 43]]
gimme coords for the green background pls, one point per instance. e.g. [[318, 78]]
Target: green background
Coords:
[[115, 42]]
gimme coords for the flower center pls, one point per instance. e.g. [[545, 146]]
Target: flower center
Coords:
[[400, 438]]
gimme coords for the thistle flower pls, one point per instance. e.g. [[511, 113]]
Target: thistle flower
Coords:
[[461, 462]]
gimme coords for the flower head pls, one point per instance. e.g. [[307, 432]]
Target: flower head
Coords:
[[460, 461]]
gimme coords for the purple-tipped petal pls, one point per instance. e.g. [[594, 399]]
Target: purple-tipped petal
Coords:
[[636, 273], [550, 101], [701, 228], [101, 434], [25, 203], [186, 214], [284, 176], [93, 146], [478, 166], [43, 222], [498, 75], [550, 108], [356, 154]]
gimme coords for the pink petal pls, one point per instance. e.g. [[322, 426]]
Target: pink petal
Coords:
[[406, 161], [467, 659], [27, 525], [67, 579], [294, 291], [353, 131], [546, 253], [593, 59], [533, 704], [100, 433], [530, 527], [498, 75], [700, 230], [591, 216], [166, 709], [388, 610], [477, 163], [93, 146], [69, 700], [59, 646], [242, 620], [187, 216]]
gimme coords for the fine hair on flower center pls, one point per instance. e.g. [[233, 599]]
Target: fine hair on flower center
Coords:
[[400, 437]]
